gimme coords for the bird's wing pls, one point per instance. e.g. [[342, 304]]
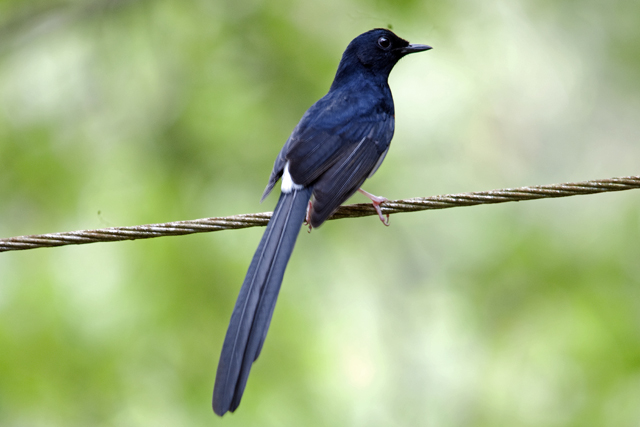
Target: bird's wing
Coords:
[[337, 149], [353, 166]]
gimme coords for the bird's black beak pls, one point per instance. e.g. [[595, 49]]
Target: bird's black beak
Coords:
[[412, 48]]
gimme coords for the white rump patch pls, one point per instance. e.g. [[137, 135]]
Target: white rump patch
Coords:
[[287, 183]]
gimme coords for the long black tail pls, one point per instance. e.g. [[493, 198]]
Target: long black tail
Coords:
[[252, 314]]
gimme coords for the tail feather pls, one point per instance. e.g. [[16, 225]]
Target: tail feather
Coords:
[[254, 308]]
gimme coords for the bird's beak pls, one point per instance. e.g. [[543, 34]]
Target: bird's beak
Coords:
[[412, 48]]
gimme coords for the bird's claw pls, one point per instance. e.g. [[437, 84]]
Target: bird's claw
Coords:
[[307, 219], [376, 206]]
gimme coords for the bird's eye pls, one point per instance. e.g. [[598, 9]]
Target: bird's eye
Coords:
[[384, 42]]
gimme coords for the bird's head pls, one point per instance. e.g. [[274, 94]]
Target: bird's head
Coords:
[[380, 49]]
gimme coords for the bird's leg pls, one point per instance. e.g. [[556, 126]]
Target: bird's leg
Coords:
[[307, 219], [376, 200]]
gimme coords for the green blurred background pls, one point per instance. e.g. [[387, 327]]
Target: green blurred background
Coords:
[[130, 112]]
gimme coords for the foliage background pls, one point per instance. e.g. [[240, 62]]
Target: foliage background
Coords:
[[128, 112]]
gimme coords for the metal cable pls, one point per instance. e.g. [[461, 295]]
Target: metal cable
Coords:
[[176, 228]]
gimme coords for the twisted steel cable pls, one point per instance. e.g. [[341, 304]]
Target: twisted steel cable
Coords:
[[177, 228]]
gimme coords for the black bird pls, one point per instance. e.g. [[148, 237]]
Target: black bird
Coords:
[[339, 143]]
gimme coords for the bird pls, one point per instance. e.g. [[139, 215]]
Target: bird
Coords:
[[339, 142]]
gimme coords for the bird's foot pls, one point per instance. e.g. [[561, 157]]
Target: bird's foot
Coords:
[[307, 219], [377, 201]]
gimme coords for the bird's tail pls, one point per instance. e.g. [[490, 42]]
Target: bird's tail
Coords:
[[252, 314]]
